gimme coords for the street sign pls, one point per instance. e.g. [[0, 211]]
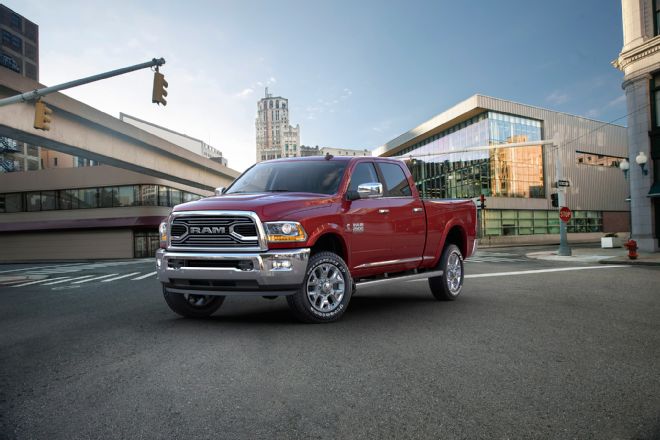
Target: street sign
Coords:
[[565, 214], [563, 183]]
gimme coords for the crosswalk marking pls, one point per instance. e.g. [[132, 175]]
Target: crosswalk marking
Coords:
[[120, 277], [144, 276], [94, 279], [37, 282], [67, 280]]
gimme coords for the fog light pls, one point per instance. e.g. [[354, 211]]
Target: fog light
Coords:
[[245, 265], [281, 264]]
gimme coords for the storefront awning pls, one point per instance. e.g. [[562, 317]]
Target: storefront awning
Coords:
[[655, 190]]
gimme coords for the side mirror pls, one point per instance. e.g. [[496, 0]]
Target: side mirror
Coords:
[[370, 190], [220, 190]]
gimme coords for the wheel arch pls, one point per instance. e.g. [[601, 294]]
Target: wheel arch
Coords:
[[330, 242]]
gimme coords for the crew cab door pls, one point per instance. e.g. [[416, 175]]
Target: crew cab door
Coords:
[[405, 214], [365, 222]]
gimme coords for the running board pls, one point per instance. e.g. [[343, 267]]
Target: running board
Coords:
[[415, 276]]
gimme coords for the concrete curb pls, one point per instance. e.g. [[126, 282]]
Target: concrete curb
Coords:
[[629, 262]]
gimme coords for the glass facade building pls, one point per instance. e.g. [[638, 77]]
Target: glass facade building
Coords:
[[465, 152], [442, 169]]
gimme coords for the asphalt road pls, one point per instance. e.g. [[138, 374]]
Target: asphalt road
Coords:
[[564, 354]]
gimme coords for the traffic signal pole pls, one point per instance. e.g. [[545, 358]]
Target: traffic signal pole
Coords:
[[564, 249], [37, 93]]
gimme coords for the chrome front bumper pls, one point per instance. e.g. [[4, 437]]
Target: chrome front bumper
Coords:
[[276, 272]]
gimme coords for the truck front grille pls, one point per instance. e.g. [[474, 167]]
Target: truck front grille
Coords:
[[222, 231]]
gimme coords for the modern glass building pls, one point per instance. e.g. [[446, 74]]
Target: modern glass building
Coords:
[[455, 155]]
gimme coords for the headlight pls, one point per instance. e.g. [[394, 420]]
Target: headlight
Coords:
[[162, 232], [278, 232]]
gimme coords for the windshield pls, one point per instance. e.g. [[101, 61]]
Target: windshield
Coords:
[[320, 177]]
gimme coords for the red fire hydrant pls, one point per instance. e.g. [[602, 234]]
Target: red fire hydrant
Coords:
[[631, 245]]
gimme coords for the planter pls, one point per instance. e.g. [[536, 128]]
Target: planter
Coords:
[[610, 242]]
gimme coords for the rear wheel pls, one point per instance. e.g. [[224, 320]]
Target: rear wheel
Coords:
[[448, 286], [192, 305], [325, 291]]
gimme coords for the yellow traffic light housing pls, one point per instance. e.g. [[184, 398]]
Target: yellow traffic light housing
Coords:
[[159, 91], [42, 117]]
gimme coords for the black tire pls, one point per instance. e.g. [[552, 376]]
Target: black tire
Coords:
[[448, 286], [325, 291], [193, 306]]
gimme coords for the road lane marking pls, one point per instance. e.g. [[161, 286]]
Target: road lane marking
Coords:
[[67, 279], [144, 276], [40, 267], [529, 272], [94, 279], [37, 282], [120, 277]]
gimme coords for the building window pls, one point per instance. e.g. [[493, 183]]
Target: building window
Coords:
[[148, 195], [12, 41], [655, 100], [656, 17], [500, 222], [504, 172], [600, 160], [15, 21]]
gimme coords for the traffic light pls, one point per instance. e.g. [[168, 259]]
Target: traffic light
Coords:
[[482, 201], [160, 86], [42, 114], [555, 200]]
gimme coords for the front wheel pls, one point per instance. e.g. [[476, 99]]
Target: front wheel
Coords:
[[448, 286], [325, 291], [191, 305]]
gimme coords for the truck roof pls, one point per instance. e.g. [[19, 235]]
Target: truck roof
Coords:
[[335, 158]]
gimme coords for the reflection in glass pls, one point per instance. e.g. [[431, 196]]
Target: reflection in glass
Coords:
[[163, 196], [48, 200], [442, 170], [148, 195], [125, 196]]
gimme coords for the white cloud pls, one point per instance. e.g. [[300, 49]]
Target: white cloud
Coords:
[[616, 102], [245, 92], [557, 98], [382, 126]]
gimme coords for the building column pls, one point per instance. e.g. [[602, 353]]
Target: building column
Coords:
[[639, 124]]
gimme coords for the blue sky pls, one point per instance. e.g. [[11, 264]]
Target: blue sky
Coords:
[[356, 74]]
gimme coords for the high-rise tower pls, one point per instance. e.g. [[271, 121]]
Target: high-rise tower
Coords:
[[275, 137]]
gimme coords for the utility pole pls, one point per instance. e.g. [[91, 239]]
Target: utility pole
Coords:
[[37, 93], [564, 249]]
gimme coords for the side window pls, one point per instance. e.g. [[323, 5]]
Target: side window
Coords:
[[396, 184], [363, 173]]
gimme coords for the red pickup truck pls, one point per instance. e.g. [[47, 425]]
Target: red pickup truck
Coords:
[[312, 229]]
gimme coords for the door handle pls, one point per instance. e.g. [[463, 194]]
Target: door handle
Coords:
[[418, 209], [383, 211]]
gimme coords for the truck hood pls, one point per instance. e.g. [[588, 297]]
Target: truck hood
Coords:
[[268, 206]]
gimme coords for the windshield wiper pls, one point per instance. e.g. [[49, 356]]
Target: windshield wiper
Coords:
[[279, 190]]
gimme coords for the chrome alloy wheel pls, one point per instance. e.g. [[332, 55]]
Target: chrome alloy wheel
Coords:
[[454, 272], [198, 300], [325, 287]]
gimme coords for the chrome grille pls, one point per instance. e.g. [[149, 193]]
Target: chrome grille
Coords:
[[222, 231]]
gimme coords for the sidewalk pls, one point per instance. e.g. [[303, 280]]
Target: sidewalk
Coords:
[[599, 255]]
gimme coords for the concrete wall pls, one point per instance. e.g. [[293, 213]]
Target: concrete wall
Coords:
[[66, 245]]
